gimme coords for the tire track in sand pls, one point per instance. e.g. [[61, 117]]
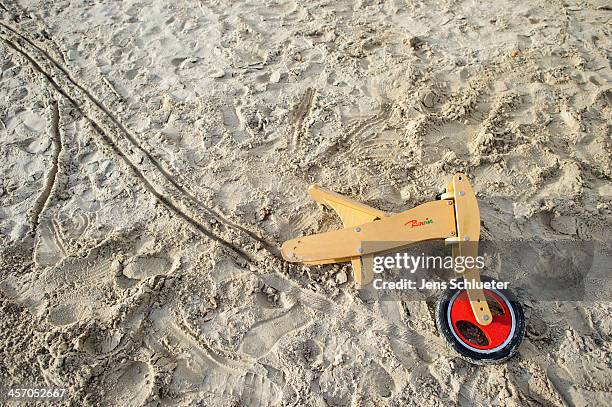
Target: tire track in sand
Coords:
[[168, 199], [56, 141], [298, 116], [144, 153]]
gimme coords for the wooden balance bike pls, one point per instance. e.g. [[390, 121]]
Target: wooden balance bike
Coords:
[[483, 325]]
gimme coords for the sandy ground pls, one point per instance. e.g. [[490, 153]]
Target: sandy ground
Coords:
[[154, 155]]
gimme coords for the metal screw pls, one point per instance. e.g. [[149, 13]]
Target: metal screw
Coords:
[[466, 238], [485, 317], [357, 229], [360, 250], [450, 202], [461, 193]]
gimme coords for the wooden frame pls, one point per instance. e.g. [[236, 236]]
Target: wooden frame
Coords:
[[455, 218]]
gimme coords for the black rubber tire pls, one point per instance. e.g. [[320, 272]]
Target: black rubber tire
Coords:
[[459, 347]]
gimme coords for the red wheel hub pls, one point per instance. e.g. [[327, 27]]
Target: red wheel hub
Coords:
[[496, 333]]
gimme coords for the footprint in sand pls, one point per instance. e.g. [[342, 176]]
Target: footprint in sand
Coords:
[[378, 380], [49, 249], [129, 385], [142, 267], [262, 336]]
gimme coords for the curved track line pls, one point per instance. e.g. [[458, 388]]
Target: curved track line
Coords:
[[363, 125], [56, 140], [117, 123], [148, 185], [299, 114]]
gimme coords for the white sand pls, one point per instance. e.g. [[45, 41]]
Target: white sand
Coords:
[[154, 156]]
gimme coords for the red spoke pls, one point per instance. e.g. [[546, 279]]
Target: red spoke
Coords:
[[462, 309], [497, 332], [499, 329]]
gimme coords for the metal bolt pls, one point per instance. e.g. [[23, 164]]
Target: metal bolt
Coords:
[[360, 250], [450, 202], [466, 238], [461, 193], [357, 229], [485, 317]]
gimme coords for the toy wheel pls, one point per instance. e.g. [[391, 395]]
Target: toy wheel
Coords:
[[479, 344]]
